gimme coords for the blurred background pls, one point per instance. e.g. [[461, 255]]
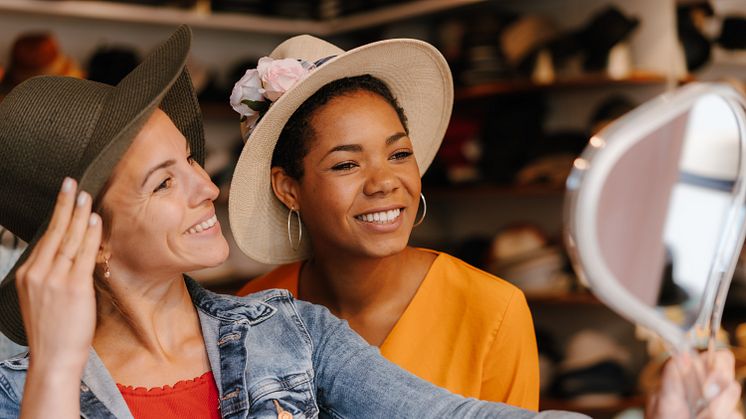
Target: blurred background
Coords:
[[534, 80]]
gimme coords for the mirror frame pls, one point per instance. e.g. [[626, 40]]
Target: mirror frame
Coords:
[[584, 185]]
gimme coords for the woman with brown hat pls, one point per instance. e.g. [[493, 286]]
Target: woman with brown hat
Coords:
[[328, 184], [113, 326]]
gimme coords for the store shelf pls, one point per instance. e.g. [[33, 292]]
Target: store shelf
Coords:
[[403, 11], [524, 85], [482, 190], [563, 298], [133, 13]]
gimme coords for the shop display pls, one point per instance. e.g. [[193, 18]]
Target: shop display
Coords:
[[523, 255], [594, 370]]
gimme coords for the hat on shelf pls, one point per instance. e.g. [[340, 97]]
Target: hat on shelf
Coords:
[[604, 30], [37, 54], [594, 370], [110, 64], [414, 71]]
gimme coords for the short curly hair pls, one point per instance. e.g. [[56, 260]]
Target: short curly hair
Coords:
[[294, 140]]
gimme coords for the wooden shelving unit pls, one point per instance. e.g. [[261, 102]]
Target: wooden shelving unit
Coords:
[[487, 90], [563, 298], [133, 13], [465, 191]]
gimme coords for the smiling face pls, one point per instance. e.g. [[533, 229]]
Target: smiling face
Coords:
[[160, 206], [360, 187]]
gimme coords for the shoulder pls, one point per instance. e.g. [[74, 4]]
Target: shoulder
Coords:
[[474, 282], [284, 276], [490, 299]]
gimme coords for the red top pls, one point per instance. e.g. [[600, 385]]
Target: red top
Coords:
[[197, 398]]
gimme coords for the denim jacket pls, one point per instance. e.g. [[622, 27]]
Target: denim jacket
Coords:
[[267, 348]]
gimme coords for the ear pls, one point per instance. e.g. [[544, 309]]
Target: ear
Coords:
[[286, 189], [103, 254]]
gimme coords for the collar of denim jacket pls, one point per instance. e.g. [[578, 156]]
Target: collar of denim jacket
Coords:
[[252, 309], [99, 395]]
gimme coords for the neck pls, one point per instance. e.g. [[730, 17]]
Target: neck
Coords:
[[156, 315], [352, 285]]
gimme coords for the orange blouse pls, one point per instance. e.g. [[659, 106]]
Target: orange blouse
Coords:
[[197, 398], [465, 330]]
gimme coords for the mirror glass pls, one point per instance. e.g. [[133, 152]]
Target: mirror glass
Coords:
[[664, 204]]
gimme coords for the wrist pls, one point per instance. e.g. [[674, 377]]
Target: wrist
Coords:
[[58, 369]]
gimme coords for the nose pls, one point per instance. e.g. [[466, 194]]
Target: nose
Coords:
[[202, 189], [381, 180]]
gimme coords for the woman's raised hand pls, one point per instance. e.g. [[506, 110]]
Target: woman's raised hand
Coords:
[[720, 388], [58, 304]]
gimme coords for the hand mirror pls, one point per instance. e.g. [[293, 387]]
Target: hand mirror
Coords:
[[654, 213]]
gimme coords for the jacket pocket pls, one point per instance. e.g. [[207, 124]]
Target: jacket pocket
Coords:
[[292, 394]]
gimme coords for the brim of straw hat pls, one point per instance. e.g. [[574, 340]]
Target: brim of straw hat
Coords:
[[420, 79], [160, 80]]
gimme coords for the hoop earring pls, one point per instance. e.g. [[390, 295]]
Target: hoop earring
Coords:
[[107, 270], [424, 210], [300, 229]]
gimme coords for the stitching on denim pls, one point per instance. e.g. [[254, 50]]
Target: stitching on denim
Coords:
[[8, 389], [286, 383]]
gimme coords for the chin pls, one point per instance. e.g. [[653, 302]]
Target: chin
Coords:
[[385, 248], [212, 257]]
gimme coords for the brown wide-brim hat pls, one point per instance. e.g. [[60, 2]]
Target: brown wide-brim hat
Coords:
[[52, 127], [415, 72]]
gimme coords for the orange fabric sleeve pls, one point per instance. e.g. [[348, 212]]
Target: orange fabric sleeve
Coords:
[[511, 369]]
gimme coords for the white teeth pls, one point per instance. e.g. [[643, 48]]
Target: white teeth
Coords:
[[204, 225], [383, 217]]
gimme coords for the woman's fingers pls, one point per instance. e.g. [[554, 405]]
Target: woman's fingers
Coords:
[[725, 403], [85, 260], [720, 388], [46, 249], [75, 232]]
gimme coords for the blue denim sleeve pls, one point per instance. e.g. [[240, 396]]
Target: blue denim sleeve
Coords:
[[354, 380], [10, 405]]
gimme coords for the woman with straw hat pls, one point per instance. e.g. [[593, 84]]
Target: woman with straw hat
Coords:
[[330, 151], [328, 184], [114, 328]]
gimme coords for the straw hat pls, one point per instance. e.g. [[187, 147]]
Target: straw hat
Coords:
[[52, 127], [417, 75]]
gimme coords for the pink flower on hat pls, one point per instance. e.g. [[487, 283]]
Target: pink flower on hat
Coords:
[[247, 91], [278, 76], [258, 88]]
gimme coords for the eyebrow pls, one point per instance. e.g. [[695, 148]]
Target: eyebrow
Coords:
[[163, 165], [357, 148]]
